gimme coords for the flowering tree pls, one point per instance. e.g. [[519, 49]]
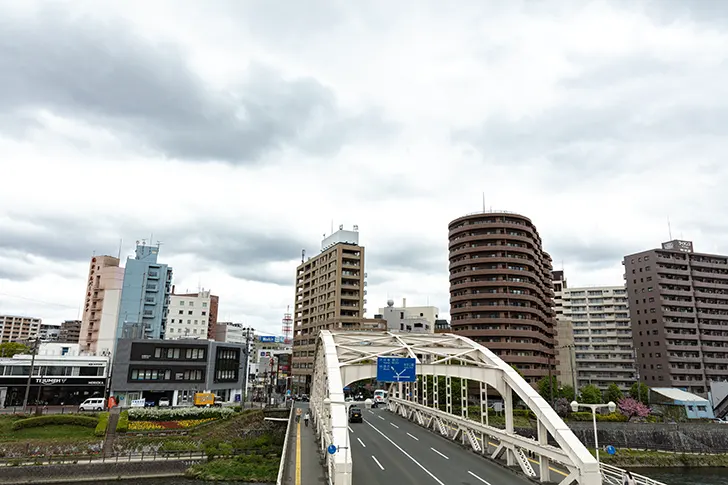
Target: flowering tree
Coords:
[[633, 408]]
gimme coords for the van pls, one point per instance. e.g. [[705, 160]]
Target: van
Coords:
[[206, 399], [93, 404]]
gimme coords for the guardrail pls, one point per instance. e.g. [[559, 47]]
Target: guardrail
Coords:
[[101, 458], [284, 452], [612, 475]]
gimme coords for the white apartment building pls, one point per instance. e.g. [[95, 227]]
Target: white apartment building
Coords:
[[233, 333], [420, 319], [18, 329], [188, 316], [604, 352], [49, 332], [101, 306]]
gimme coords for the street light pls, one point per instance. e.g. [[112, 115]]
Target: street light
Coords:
[[327, 404], [610, 405]]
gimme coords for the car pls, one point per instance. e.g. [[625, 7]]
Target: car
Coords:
[[355, 415], [93, 404], [164, 402]]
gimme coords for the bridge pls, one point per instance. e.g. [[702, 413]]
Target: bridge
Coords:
[[432, 430]]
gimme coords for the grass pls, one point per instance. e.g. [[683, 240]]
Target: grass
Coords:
[[43, 433], [253, 468], [649, 458]]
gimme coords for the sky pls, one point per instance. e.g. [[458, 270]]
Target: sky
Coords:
[[237, 132]]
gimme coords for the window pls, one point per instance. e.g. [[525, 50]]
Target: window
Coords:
[[204, 304], [189, 312], [192, 303], [181, 303]]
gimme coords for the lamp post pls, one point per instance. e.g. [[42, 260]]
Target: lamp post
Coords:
[[610, 405], [327, 405]]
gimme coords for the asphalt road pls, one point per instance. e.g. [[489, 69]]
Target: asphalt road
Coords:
[[390, 450]]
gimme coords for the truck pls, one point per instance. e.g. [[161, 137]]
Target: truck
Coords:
[[206, 399]]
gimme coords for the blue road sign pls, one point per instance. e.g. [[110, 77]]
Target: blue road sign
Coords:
[[396, 369], [331, 449], [611, 450]]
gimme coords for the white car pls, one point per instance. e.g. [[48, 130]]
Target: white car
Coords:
[[93, 404], [164, 402]]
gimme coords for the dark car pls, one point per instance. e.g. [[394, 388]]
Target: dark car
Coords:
[[355, 415]]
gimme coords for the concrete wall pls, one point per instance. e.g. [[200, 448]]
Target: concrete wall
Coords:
[[91, 472]]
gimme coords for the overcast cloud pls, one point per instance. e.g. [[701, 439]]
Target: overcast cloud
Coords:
[[236, 132]]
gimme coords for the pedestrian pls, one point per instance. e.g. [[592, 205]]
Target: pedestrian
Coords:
[[628, 479], [306, 418], [298, 415]]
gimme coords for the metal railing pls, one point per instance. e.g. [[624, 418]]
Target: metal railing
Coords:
[[41, 459], [612, 475], [284, 452]]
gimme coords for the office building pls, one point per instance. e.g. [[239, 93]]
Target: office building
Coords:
[[57, 379], [144, 295], [191, 315], [18, 329], [176, 369], [418, 319], [70, 331], [602, 335], [330, 291], [101, 306], [565, 352], [678, 305], [235, 333], [49, 332], [501, 293]]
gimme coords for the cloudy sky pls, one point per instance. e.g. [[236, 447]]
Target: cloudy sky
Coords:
[[236, 131]]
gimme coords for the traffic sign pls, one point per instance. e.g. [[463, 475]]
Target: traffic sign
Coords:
[[611, 450], [331, 449], [396, 369]]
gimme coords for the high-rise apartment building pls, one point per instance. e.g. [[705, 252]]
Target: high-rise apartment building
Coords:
[[330, 291], [101, 306], [18, 329], [501, 293], [144, 295], [49, 332], [70, 331], [566, 358], [191, 314], [678, 303], [602, 335]]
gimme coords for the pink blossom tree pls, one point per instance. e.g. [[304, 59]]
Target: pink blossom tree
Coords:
[[631, 407]]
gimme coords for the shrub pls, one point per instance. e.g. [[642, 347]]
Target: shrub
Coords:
[[633, 408], [100, 430], [122, 426], [178, 414], [56, 419], [587, 416]]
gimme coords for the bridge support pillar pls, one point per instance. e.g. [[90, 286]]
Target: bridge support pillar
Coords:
[[543, 463], [508, 405]]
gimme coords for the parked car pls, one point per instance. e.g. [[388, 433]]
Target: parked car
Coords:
[[93, 404], [355, 415], [164, 402]]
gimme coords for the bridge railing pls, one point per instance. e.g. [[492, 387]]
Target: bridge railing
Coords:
[[282, 468], [612, 475]]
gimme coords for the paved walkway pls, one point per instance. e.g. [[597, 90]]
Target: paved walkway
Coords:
[[303, 459]]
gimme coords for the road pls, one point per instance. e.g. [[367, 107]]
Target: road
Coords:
[[389, 450]]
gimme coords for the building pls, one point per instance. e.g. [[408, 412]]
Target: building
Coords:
[[101, 305], [330, 291], [192, 315], [144, 295], [565, 351], [59, 349], [442, 326], [18, 329], [678, 304], [153, 369], [420, 319], [602, 335], [690, 406], [501, 293], [235, 333], [70, 331], [49, 332], [57, 379]]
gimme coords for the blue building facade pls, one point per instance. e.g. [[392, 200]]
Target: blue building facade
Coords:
[[145, 296]]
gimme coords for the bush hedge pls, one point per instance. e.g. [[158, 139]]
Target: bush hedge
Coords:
[[178, 414], [100, 430], [587, 416], [122, 426], [56, 419]]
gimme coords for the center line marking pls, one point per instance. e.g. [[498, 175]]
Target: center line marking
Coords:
[[350, 429], [405, 453], [476, 476], [394, 425], [377, 462], [433, 449], [381, 418], [413, 437], [361, 442]]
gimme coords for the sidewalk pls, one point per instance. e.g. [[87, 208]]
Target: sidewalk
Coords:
[[303, 458]]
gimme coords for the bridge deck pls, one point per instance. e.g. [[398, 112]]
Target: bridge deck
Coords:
[[304, 466]]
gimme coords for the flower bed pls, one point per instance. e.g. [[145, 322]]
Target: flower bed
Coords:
[[178, 414], [164, 425]]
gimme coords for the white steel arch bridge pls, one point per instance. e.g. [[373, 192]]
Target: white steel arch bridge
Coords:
[[343, 358]]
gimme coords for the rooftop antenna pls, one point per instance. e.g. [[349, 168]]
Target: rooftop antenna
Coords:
[[483, 201], [120, 244], [669, 228], [303, 255], [332, 226]]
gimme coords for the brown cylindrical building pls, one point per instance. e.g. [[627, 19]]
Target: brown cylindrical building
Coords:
[[501, 289]]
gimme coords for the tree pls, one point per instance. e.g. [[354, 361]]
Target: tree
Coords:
[[8, 349], [614, 394], [633, 408], [567, 392], [640, 392], [562, 406], [546, 390], [591, 395]]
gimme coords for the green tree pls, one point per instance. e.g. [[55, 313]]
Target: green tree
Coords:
[[614, 394], [591, 395], [641, 392], [567, 392], [548, 390], [8, 349]]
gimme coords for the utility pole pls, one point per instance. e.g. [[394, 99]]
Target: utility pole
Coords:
[[30, 374], [551, 384], [246, 363]]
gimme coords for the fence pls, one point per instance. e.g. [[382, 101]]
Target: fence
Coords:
[[101, 458], [611, 475], [284, 452]]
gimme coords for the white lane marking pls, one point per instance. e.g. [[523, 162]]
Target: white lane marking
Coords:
[[476, 476], [394, 425], [350, 429], [445, 457], [413, 437], [405, 453], [377, 462], [361, 442], [371, 411], [381, 418]]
